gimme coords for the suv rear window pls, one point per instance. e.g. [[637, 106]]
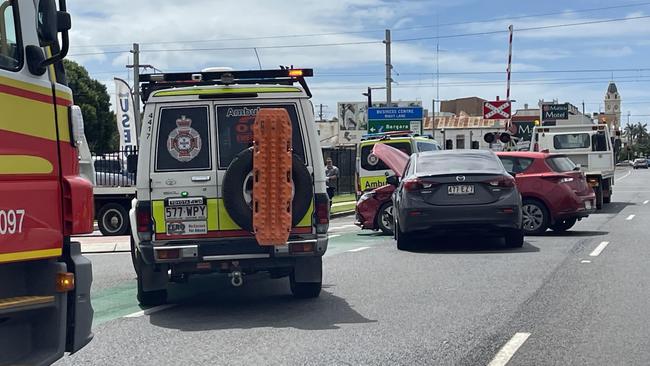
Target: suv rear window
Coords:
[[571, 141], [183, 139], [372, 163], [560, 164], [235, 130]]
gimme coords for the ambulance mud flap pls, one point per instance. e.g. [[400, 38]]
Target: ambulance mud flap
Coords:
[[233, 194]]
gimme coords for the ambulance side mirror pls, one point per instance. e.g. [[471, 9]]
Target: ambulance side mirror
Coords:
[[132, 163]]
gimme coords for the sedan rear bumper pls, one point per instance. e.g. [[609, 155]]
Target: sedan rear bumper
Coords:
[[468, 218]]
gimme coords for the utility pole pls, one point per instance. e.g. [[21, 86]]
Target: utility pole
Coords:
[[136, 87], [433, 118], [320, 111], [389, 67]]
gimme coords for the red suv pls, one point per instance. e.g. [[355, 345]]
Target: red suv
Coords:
[[555, 192]]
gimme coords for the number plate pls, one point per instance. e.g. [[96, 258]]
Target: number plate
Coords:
[[194, 212], [186, 216], [460, 189]]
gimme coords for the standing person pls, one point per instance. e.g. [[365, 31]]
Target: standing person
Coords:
[[332, 174]]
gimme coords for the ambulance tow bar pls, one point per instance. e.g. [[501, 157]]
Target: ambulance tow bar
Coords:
[[236, 278]]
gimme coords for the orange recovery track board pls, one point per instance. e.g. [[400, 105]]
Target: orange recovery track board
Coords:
[[272, 185]]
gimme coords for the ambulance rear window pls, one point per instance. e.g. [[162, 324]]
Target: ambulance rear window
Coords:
[[183, 139], [235, 130]]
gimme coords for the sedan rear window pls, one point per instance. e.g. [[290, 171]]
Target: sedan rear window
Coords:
[[560, 164], [235, 130], [571, 141], [446, 163]]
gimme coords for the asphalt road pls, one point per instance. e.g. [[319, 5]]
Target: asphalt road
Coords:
[[559, 300]]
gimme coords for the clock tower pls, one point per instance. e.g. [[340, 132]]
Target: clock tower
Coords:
[[613, 105]]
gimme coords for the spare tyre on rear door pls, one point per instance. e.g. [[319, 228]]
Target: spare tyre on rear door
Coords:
[[238, 188]]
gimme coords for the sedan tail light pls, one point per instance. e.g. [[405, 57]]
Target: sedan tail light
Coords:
[[502, 182], [416, 184]]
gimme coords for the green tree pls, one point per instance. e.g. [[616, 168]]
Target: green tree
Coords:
[[93, 99]]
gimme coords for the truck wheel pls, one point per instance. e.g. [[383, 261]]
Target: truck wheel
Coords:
[[146, 272], [304, 290], [385, 218], [113, 220], [599, 197]]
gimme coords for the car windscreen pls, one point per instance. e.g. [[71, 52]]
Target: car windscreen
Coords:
[[372, 163], [183, 139], [440, 163], [571, 141], [560, 164], [235, 129]]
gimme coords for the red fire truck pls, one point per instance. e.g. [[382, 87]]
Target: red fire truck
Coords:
[[45, 282]]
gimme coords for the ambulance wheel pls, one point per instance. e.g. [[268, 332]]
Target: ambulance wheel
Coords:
[[237, 187], [113, 220], [146, 271]]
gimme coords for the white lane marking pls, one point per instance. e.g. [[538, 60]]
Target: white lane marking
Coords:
[[149, 311], [630, 217], [508, 350], [585, 261], [358, 249], [333, 236], [343, 227], [599, 249], [646, 202], [623, 177]]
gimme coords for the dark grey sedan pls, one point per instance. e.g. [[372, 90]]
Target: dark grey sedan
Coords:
[[456, 191]]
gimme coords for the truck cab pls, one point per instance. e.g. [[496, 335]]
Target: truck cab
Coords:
[[45, 306], [589, 146]]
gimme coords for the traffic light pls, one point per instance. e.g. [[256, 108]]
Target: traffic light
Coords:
[[504, 137], [489, 137], [475, 145]]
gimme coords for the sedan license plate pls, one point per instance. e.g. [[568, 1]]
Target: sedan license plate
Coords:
[[460, 189]]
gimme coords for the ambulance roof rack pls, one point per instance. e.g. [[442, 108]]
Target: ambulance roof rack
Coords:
[[281, 76]]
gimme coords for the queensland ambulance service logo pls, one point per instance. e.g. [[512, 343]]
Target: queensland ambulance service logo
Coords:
[[184, 143]]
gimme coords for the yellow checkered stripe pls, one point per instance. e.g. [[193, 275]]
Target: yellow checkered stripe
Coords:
[[218, 217]]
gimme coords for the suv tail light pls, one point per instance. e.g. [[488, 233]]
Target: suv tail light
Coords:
[[322, 211], [502, 182], [143, 220], [559, 178]]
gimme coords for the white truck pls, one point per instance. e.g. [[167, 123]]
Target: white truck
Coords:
[[589, 146], [113, 189]]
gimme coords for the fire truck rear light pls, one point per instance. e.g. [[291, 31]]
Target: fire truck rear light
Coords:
[[64, 282], [168, 253], [295, 73]]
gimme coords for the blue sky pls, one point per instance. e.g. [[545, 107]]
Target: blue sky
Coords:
[[547, 63]]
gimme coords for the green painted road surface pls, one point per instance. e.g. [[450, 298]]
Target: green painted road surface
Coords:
[[120, 300]]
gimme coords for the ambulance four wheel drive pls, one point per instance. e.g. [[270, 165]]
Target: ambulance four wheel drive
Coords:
[[204, 151]]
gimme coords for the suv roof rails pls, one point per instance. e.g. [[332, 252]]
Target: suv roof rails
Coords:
[[282, 76]]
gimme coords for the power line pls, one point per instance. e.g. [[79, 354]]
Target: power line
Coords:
[[380, 30], [378, 41]]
